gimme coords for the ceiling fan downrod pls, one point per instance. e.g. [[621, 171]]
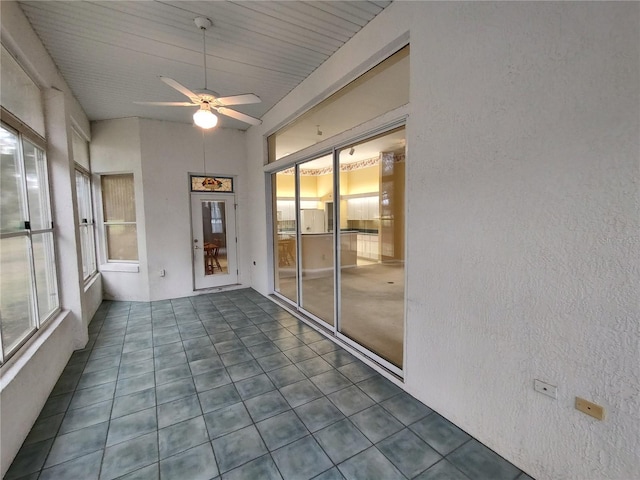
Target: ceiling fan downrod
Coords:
[[203, 23]]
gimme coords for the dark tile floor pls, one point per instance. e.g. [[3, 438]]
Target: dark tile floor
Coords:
[[231, 386]]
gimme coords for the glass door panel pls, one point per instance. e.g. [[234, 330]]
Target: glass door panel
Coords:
[[372, 244], [315, 191], [284, 230], [214, 234]]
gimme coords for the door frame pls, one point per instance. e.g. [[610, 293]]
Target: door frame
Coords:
[[221, 280], [376, 127]]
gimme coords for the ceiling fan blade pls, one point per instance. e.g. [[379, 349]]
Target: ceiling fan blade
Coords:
[[239, 116], [181, 88], [169, 104], [239, 99]]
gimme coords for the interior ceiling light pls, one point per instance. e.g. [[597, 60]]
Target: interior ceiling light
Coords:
[[205, 118]]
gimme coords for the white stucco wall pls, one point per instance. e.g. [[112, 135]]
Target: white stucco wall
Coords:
[[27, 379], [161, 155], [115, 148], [523, 203], [523, 210], [169, 152]]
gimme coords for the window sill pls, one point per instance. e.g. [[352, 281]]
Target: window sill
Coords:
[[120, 267], [12, 367], [91, 279]]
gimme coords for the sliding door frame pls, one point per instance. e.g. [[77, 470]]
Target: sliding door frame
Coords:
[[376, 127]]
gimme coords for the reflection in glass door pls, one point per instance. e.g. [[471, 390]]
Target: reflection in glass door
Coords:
[[372, 211], [285, 257], [315, 185], [360, 227]]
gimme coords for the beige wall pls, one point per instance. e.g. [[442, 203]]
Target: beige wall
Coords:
[[308, 186], [325, 187], [286, 186], [363, 180]]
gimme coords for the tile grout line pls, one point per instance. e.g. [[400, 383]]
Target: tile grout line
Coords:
[[104, 449], [243, 314]]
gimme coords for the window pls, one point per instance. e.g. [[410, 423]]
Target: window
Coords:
[[86, 226], [379, 90], [28, 277], [28, 282], [20, 95], [119, 210]]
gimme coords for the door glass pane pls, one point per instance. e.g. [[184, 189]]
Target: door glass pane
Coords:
[[315, 180], [16, 310], [12, 205], [37, 186], [46, 283], [214, 233], [372, 216], [284, 242], [122, 242]]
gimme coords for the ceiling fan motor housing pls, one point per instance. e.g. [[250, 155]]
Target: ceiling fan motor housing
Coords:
[[203, 23]]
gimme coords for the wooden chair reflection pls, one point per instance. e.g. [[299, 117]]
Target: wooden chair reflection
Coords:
[[211, 258], [286, 247]]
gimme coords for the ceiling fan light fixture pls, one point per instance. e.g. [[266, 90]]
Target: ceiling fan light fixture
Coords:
[[205, 118]]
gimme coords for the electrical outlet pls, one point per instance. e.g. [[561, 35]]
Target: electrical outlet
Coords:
[[585, 406], [162, 272], [545, 388]]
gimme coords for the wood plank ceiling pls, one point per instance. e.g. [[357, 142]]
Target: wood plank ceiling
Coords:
[[112, 52]]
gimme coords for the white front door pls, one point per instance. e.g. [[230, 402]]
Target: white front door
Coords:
[[213, 223]]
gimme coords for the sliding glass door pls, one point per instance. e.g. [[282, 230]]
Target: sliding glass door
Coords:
[[372, 216], [354, 220], [317, 252], [285, 243]]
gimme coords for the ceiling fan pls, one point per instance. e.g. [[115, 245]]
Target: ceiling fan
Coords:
[[206, 99]]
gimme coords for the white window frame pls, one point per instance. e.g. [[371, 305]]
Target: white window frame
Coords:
[[24, 132], [110, 264], [88, 252]]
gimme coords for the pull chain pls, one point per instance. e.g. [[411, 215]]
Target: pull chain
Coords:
[[204, 156]]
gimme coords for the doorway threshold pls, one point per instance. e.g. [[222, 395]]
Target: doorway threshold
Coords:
[[222, 288], [360, 353]]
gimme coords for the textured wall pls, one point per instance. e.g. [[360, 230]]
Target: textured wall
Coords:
[[115, 148], [170, 151], [523, 213], [28, 378], [523, 246], [27, 381]]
